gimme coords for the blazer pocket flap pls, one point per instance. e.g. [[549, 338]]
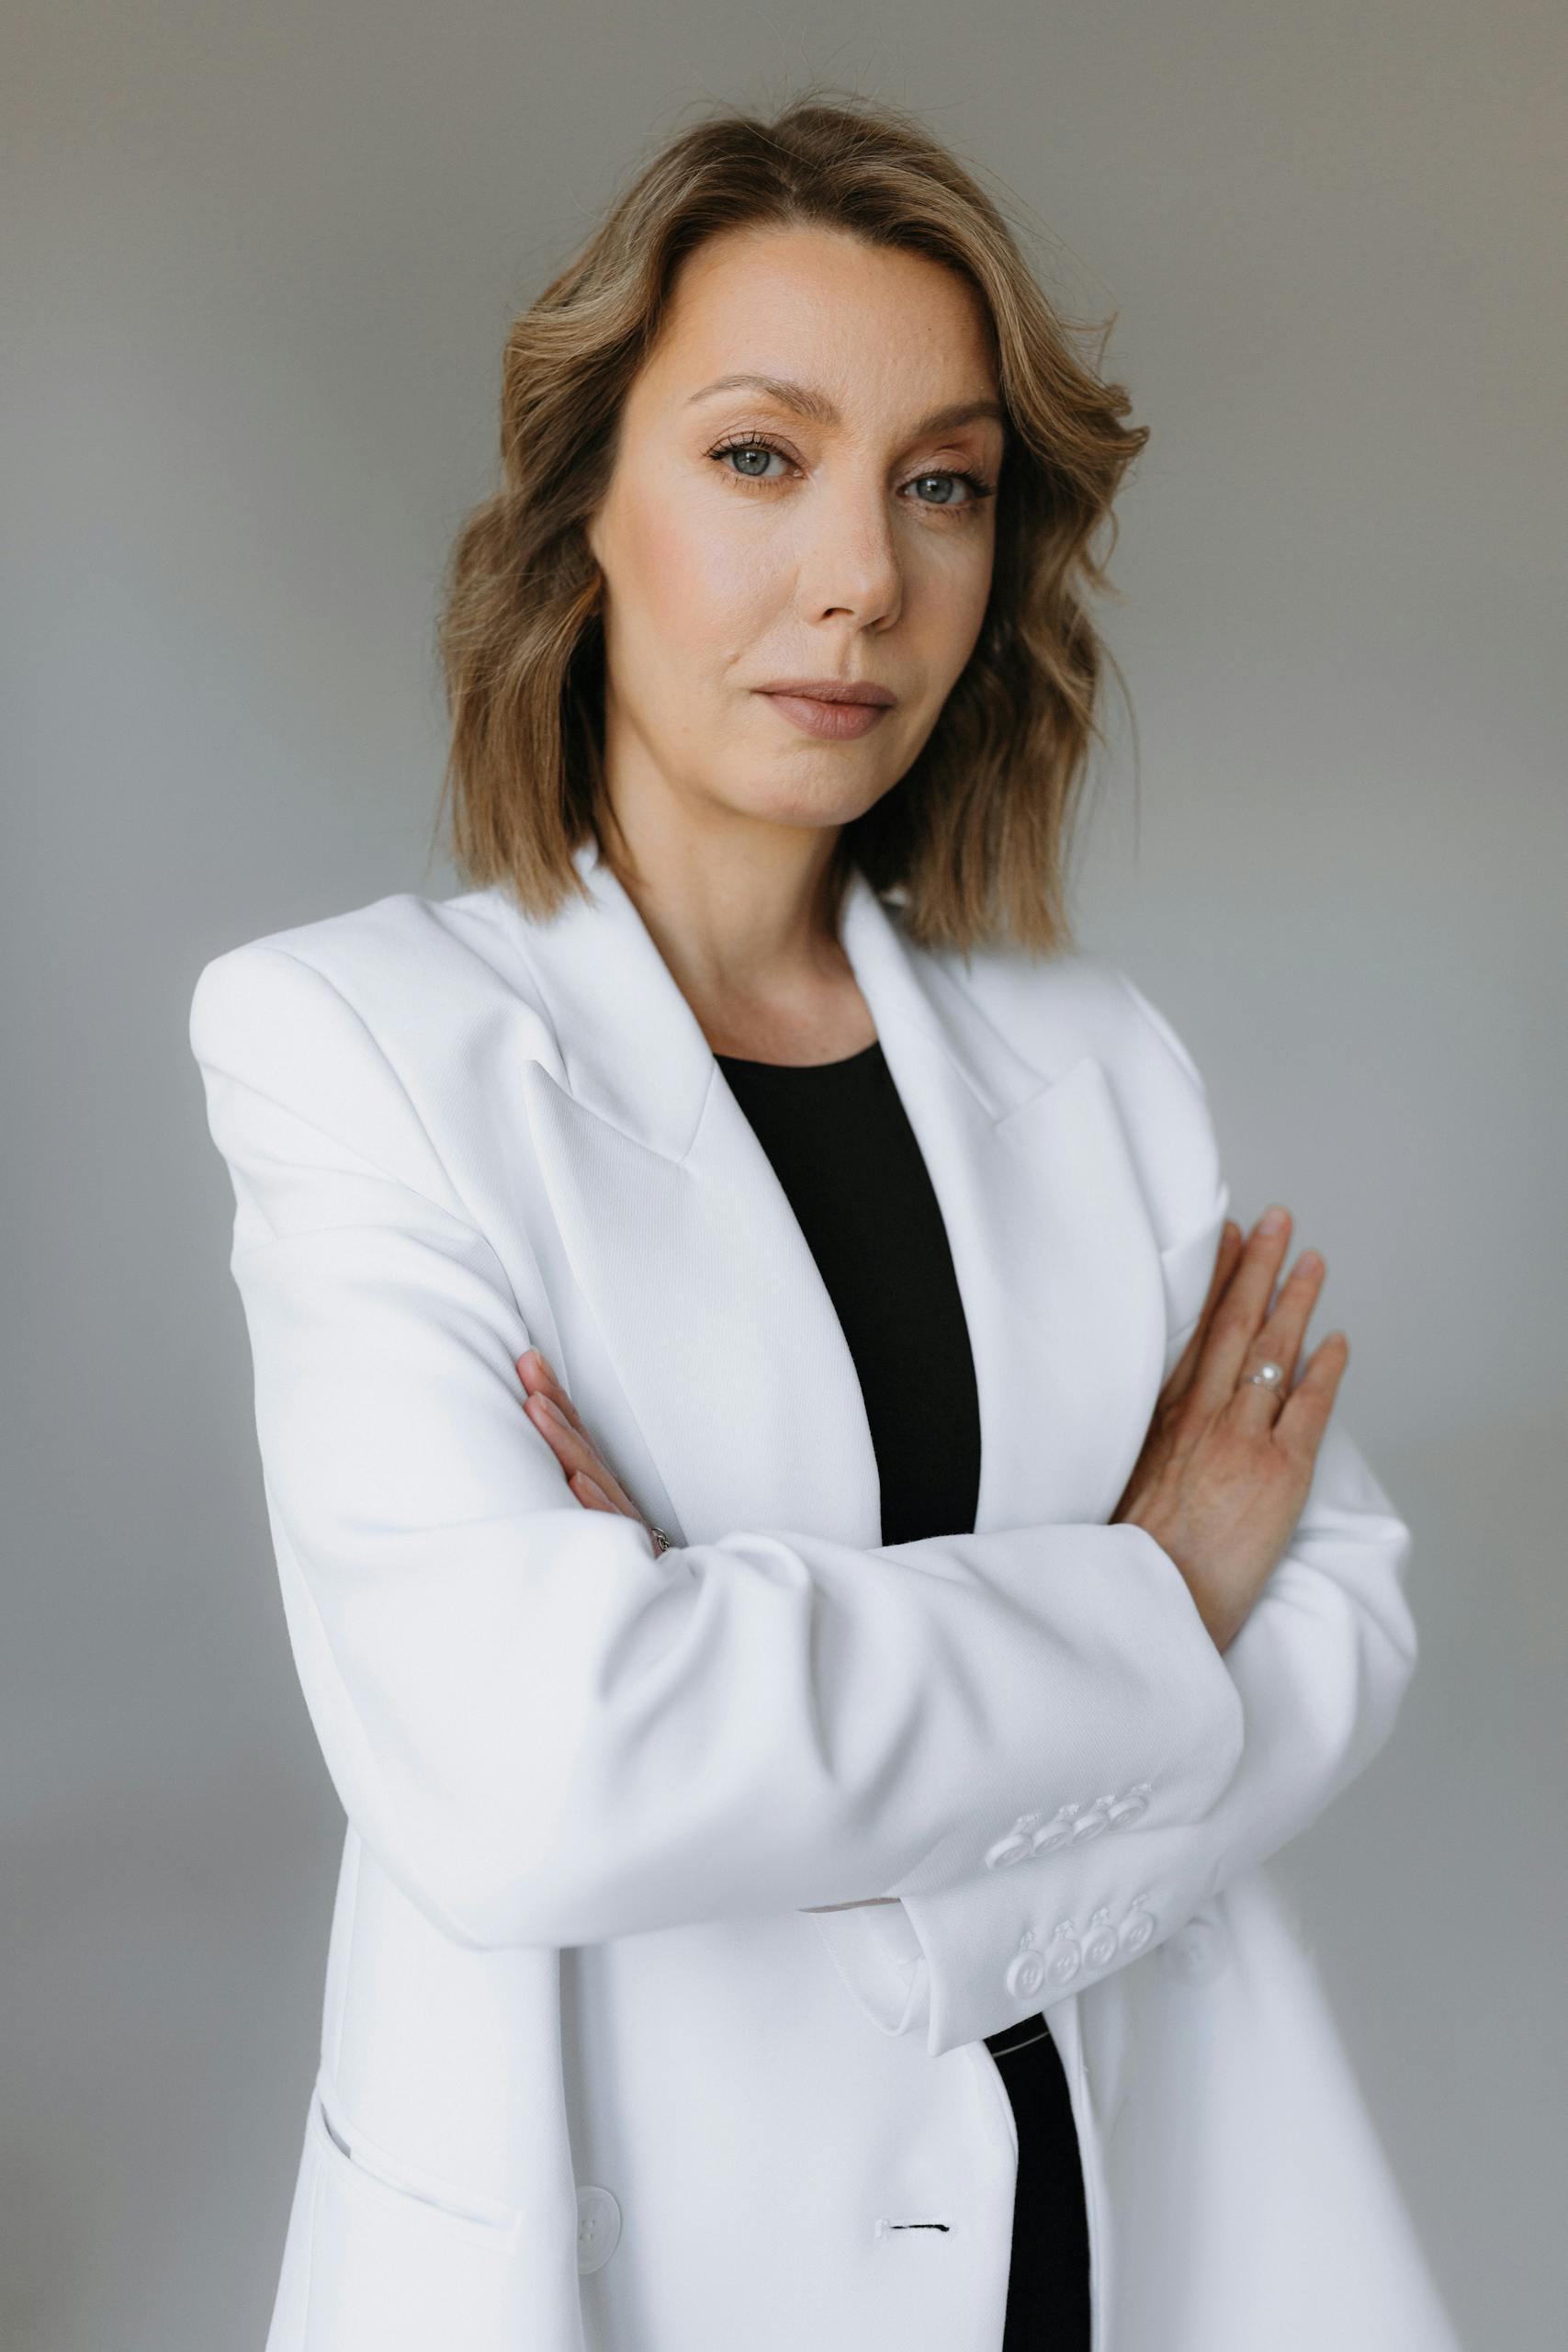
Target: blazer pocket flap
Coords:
[[399, 2188]]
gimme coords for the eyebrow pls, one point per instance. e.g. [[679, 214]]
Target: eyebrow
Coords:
[[807, 401]]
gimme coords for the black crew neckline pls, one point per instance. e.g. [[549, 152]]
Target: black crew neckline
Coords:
[[844, 1061]]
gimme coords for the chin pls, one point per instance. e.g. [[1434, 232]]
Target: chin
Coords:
[[798, 804]]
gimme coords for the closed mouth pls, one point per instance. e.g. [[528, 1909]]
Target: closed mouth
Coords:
[[829, 690]]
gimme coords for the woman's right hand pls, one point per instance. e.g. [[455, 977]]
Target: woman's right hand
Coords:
[[1227, 1462]]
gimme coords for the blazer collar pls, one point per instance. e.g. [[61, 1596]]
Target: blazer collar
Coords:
[[707, 1296], [634, 1053]]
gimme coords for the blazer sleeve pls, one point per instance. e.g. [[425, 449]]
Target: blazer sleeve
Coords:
[[1319, 1670], [545, 1732]]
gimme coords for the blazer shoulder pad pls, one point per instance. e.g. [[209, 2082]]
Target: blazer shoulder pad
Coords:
[[415, 970], [360, 1025]]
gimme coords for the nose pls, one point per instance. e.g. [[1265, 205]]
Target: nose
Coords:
[[850, 567]]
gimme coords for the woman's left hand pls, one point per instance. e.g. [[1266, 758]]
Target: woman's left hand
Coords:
[[556, 1419]]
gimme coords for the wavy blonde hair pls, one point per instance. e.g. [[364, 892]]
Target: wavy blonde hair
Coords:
[[975, 836]]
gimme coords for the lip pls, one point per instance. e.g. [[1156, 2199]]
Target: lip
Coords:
[[864, 690], [830, 722], [831, 708]]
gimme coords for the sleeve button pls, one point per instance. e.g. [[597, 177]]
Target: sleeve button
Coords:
[[1064, 1959], [1136, 1929], [1101, 1946], [1056, 1833], [1025, 1976]]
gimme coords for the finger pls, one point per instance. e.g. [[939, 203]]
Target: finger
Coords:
[[575, 1451], [1279, 1340], [1240, 1313], [590, 1494], [564, 1438], [1305, 1415], [536, 1373], [538, 1377], [1185, 1363]]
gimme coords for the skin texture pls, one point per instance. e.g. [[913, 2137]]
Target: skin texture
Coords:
[[860, 553], [1224, 1469]]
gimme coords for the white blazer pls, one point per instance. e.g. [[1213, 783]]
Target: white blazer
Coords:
[[598, 2072]]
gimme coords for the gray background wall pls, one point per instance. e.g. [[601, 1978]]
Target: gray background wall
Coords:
[[259, 261]]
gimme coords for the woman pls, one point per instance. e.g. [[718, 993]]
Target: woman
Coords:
[[819, 1559]]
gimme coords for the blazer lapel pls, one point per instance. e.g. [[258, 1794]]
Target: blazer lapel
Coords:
[[1056, 1260], [706, 1293]]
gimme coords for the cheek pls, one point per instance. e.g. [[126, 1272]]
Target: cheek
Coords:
[[944, 604], [695, 574]]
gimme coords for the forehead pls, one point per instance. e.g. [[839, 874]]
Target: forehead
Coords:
[[881, 331]]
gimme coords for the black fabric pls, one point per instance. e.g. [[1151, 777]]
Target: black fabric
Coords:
[[841, 1146]]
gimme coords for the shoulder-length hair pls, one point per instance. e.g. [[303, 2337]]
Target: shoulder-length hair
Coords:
[[975, 836]]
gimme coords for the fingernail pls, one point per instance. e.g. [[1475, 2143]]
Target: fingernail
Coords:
[[548, 1405], [1308, 1262], [1271, 1220], [545, 1366]]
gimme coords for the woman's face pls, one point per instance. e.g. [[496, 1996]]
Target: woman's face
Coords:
[[835, 522]]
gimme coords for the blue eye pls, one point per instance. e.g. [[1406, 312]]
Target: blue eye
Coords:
[[752, 446], [763, 449], [947, 478]]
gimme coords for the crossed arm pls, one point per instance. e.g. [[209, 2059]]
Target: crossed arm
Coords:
[[550, 1735], [1320, 1660]]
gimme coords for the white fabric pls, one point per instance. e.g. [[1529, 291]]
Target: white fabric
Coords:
[[595, 2070]]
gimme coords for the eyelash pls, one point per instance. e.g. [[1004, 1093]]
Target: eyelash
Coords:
[[978, 490]]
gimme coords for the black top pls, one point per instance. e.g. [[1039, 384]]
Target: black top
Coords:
[[845, 1153], [841, 1146]]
